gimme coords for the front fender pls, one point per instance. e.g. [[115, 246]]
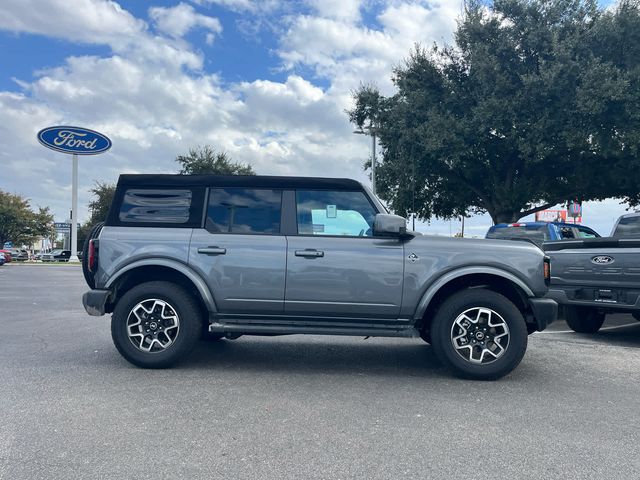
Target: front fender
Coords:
[[461, 272], [197, 281]]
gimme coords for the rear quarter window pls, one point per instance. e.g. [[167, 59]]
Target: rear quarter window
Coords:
[[176, 207]]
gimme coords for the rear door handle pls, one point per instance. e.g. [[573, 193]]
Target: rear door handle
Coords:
[[212, 250], [309, 253]]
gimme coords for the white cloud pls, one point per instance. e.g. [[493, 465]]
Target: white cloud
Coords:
[[349, 53], [251, 6], [87, 21], [345, 10], [179, 20]]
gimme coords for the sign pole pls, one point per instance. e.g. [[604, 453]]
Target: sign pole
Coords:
[[74, 210]]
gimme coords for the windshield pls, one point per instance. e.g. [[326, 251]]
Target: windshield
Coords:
[[56, 252], [628, 227], [535, 233]]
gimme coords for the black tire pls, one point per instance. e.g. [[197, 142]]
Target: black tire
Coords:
[[187, 335], [509, 354], [426, 336], [89, 276], [584, 319]]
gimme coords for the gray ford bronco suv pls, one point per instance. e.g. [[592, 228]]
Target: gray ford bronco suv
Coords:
[[183, 256]]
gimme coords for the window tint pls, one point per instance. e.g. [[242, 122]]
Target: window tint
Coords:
[[240, 210], [628, 227], [155, 206], [334, 213]]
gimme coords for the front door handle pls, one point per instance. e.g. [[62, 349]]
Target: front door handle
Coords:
[[212, 250], [309, 253]]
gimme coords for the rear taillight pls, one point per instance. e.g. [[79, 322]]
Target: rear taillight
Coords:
[[547, 270], [93, 255]]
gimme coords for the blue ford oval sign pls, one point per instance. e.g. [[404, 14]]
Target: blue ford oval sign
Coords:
[[80, 141]]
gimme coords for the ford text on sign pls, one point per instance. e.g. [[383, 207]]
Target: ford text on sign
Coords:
[[80, 141]]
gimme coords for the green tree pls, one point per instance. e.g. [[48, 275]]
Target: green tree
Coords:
[[101, 201], [102, 196], [19, 223], [538, 102], [205, 160]]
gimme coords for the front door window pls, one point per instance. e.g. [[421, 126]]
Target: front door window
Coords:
[[348, 214]]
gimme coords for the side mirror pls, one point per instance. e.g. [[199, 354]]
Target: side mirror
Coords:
[[386, 225]]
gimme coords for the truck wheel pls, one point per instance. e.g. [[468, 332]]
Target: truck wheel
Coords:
[[584, 319], [479, 334], [156, 324]]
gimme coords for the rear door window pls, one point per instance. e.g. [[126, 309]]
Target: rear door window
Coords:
[[244, 210]]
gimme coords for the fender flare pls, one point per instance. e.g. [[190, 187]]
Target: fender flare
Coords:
[[197, 281], [428, 295]]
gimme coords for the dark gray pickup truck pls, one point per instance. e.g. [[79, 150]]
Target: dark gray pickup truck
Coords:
[[596, 276], [254, 255]]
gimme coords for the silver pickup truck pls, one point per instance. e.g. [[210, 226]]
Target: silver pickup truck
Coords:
[[593, 277], [257, 255]]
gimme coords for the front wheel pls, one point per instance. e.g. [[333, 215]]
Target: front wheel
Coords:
[[584, 319], [479, 334], [156, 324]]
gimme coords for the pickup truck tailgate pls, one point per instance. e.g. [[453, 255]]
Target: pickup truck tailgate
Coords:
[[606, 271]]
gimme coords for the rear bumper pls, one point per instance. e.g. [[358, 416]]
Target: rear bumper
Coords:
[[94, 301], [568, 297], [545, 312]]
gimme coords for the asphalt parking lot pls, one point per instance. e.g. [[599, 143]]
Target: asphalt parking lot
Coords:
[[301, 406]]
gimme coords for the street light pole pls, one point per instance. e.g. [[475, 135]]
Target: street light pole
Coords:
[[373, 161], [373, 154]]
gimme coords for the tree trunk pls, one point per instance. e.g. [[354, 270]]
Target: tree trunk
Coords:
[[505, 217]]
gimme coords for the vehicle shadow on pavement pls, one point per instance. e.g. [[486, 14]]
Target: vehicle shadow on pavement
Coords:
[[620, 337], [620, 331], [324, 356]]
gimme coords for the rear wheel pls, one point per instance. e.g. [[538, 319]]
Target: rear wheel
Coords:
[[156, 324], [584, 319], [479, 334]]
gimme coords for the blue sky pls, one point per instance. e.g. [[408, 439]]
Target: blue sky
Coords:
[[267, 81]]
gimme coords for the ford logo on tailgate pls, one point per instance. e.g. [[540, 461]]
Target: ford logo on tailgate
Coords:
[[602, 260], [80, 141]]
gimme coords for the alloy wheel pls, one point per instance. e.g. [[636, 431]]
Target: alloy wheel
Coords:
[[152, 325], [480, 335]]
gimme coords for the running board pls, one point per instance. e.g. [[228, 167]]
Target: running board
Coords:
[[253, 329]]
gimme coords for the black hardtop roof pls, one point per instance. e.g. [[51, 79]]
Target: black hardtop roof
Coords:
[[255, 181]]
